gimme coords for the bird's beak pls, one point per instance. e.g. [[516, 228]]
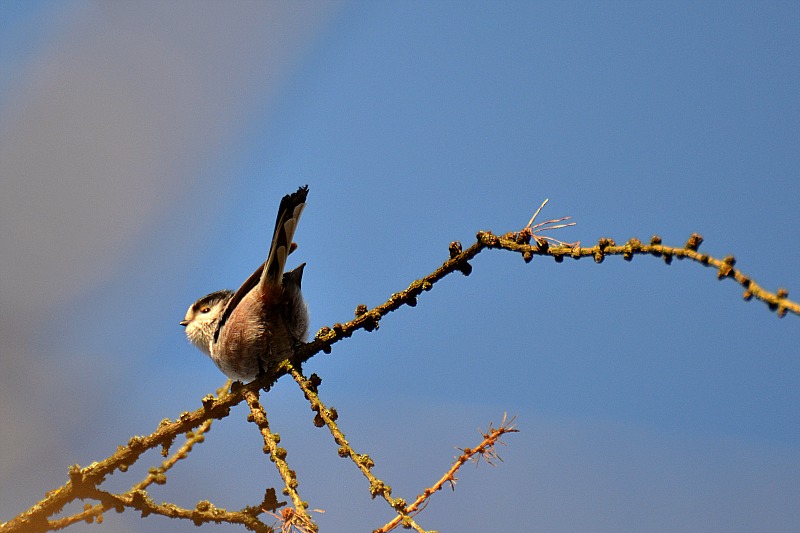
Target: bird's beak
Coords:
[[184, 323]]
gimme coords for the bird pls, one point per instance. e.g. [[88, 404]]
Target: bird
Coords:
[[249, 331]]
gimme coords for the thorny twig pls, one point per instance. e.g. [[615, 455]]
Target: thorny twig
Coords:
[[291, 522], [486, 450]]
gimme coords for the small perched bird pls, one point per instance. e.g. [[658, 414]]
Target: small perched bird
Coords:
[[260, 324]]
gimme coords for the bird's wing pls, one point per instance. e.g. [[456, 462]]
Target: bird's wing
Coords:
[[246, 287]]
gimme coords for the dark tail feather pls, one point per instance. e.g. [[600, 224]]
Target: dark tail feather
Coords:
[[285, 224], [294, 277]]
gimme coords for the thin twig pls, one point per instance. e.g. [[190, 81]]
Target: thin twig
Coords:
[[156, 475], [776, 301], [530, 222], [278, 456], [327, 416], [204, 512], [485, 450]]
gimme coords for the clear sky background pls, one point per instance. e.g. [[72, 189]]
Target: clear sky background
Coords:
[[144, 148]]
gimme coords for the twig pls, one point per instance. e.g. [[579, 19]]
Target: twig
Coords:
[[155, 475], [485, 450], [85, 479], [204, 512], [278, 456], [516, 242], [327, 416]]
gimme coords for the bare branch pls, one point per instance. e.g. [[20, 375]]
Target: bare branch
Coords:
[[327, 417], [155, 475], [278, 456], [517, 242], [485, 450]]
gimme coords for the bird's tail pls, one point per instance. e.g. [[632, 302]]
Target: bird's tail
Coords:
[[285, 224]]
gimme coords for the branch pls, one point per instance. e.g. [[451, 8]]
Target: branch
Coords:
[[278, 456], [155, 475], [520, 243], [204, 511], [485, 450], [327, 417], [83, 480]]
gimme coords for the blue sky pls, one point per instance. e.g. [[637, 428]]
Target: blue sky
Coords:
[[144, 149]]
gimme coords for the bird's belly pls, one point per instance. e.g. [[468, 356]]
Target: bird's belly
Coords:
[[248, 343]]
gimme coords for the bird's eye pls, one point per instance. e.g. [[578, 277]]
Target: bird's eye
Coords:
[[205, 309]]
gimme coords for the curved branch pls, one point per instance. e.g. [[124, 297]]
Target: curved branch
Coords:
[[520, 242]]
